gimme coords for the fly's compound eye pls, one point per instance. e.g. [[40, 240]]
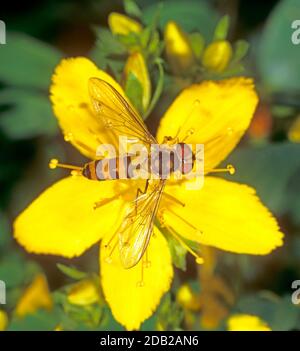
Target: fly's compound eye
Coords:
[[187, 158]]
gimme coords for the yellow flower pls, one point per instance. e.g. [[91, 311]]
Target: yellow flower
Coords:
[[178, 49], [121, 24], [217, 55], [223, 214], [246, 322], [137, 66], [187, 298], [36, 296], [3, 320], [294, 132]]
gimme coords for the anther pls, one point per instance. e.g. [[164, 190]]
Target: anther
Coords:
[[53, 163], [199, 260], [230, 131], [230, 169], [68, 137], [140, 284], [147, 264], [108, 259], [196, 102]]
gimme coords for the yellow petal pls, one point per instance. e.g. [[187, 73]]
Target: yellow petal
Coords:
[[178, 49], [217, 55], [63, 221], [84, 293], [36, 296], [121, 24], [72, 104], [225, 215], [215, 114], [130, 303], [246, 322], [3, 320], [136, 65]]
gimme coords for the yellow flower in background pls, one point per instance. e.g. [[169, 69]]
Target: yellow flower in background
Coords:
[[223, 214], [121, 24], [217, 55], [35, 296], [294, 131], [3, 320], [178, 48], [136, 65], [215, 296], [246, 322]]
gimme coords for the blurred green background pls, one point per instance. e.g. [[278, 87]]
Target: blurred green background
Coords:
[[40, 33]]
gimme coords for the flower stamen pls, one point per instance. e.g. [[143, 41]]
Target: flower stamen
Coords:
[[229, 169], [198, 259], [55, 164]]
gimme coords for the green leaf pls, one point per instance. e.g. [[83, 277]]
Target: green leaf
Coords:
[[278, 57], [134, 91], [29, 115], [178, 253], [222, 28], [241, 48], [132, 9], [71, 272], [158, 89], [197, 43], [39, 321], [12, 270], [279, 313], [191, 15], [5, 237], [27, 62]]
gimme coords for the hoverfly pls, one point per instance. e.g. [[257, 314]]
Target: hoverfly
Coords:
[[122, 119]]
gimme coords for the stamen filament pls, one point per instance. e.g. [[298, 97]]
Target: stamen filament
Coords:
[[54, 164]]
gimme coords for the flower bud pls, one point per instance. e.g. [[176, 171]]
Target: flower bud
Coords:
[[178, 49], [36, 296], [217, 56], [187, 298], [84, 293], [121, 24], [136, 65]]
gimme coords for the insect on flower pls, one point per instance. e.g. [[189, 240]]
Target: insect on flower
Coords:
[[172, 158]]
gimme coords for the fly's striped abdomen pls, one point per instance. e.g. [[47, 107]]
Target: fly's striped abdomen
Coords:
[[107, 169], [161, 164]]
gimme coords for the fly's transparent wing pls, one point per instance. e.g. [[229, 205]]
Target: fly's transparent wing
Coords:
[[117, 114], [136, 230]]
